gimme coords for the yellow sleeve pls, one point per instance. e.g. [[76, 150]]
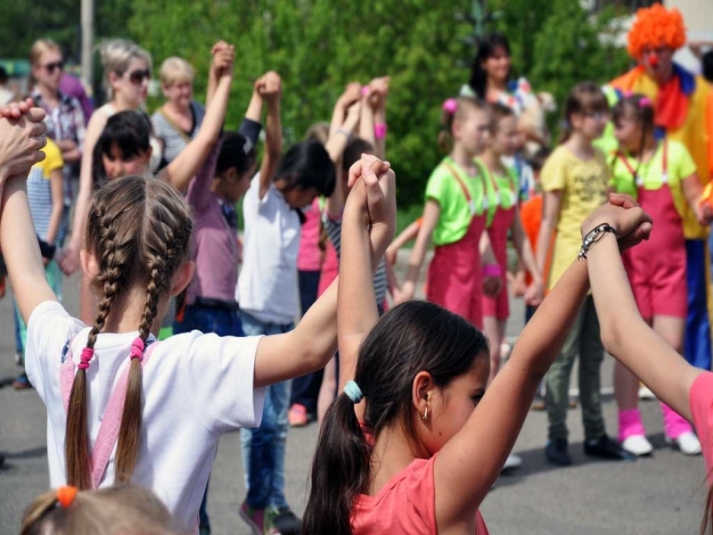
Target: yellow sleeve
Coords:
[[53, 159], [553, 176], [680, 161]]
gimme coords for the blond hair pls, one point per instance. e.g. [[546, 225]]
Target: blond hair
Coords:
[[111, 511], [39, 47], [139, 230], [116, 56], [175, 70], [318, 132]]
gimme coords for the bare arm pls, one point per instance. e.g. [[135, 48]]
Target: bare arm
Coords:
[[273, 132], [313, 341], [56, 182], [550, 213], [431, 214], [21, 250], [366, 123], [408, 234], [628, 338], [184, 167], [70, 260], [254, 112], [693, 191], [335, 148]]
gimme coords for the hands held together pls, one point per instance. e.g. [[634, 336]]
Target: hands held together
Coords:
[[21, 137]]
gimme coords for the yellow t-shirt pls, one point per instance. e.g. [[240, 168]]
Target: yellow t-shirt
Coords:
[[53, 159], [583, 185]]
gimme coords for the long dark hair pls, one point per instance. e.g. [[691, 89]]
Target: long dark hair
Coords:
[[486, 49], [307, 165], [413, 337], [128, 130]]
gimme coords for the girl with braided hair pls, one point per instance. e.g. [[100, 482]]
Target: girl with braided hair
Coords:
[[163, 405]]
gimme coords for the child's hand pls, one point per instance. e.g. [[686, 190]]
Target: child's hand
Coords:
[[352, 94], [223, 59], [519, 288], [391, 255], [492, 285], [353, 116], [378, 90], [535, 294], [21, 139], [270, 87], [621, 212]]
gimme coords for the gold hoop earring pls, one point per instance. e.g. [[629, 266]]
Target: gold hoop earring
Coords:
[[425, 415]]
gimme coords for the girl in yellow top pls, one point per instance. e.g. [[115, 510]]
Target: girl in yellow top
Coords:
[[574, 181], [662, 175], [454, 215]]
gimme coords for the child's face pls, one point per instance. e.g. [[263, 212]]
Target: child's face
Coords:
[[627, 132], [473, 132], [450, 407], [118, 166], [590, 125], [235, 186], [300, 197], [506, 138]]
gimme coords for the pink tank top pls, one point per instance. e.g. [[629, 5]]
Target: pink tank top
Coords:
[[309, 257], [406, 505]]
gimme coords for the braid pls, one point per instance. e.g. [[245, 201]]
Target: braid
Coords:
[[109, 279]]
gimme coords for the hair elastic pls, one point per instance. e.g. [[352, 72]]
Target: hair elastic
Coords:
[[450, 105], [645, 102], [137, 349], [85, 358], [353, 392], [66, 495]]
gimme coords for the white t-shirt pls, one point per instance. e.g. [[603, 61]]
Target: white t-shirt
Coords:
[[267, 286], [195, 388]]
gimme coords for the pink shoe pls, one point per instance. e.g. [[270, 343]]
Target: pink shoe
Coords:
[[297, 417]]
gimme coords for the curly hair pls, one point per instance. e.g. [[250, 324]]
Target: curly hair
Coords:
[[656, 26]]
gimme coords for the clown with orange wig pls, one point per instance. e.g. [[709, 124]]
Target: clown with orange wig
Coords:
[[683, 113]]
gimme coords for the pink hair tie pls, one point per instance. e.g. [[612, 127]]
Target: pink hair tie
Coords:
[[645, 102], [137, 349], [627, 93], [450, 105], [85, 358]]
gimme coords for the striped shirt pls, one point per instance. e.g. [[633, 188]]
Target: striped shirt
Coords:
[[174, 139], [334, 231], [39, 188]]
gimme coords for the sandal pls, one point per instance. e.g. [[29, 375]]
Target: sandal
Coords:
[[297, 417]]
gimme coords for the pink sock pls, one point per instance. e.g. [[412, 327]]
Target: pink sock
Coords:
[[674, 424], [630, 424]]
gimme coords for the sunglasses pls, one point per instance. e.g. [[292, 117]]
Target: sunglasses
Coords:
[[136, 77], [50, 67]]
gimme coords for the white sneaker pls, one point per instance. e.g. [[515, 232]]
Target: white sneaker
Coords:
[[646, 394], [687, 443], [638, 445], [513, 461]]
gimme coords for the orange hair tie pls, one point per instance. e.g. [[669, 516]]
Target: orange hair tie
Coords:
[[65, 496]]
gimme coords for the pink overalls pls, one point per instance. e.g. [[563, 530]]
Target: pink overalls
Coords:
[[657, 273], [455, 279], [499, 306]]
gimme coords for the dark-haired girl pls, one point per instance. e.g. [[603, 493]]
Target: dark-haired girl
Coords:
[[414, 443], [662, 175]]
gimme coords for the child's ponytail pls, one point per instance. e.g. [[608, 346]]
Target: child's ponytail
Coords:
[[455, 109], [340, 471]]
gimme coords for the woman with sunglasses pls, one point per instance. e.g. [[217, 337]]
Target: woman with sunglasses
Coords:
[[127, 72]]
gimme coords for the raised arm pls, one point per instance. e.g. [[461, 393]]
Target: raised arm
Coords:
[[70, 259], [468, 467], [270, 87], [352, 93], [21, 131], [431, 214], [335, 146], [379, 91], [21, 250], [313, 341], [627, 337], [184, 167]]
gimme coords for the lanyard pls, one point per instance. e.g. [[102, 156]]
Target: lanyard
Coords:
[[634, 174], [466, 192]]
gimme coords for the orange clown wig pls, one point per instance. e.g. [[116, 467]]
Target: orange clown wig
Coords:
[[656, 27]]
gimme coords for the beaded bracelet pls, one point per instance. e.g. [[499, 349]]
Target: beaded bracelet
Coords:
[[593, 236]]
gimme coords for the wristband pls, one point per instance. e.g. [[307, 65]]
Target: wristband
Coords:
[[380, 130], [345, 133], [492, 270], [593, 236]]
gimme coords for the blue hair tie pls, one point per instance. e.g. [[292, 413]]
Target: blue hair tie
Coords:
[[353, 392]]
